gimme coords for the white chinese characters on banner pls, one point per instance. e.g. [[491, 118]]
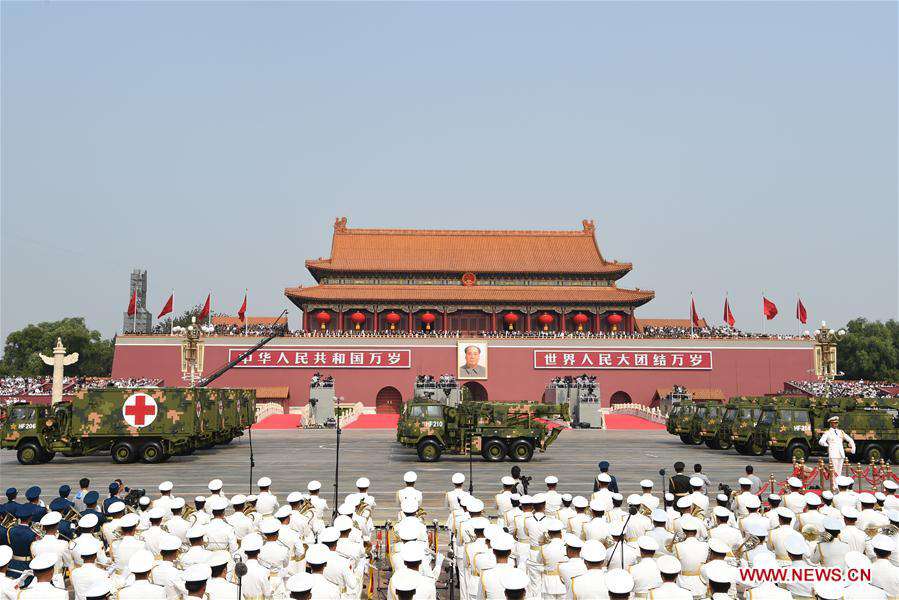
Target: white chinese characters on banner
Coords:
[[623, 359], [299, 358]]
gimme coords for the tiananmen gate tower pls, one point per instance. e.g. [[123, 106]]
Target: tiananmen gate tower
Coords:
[[505, 311]]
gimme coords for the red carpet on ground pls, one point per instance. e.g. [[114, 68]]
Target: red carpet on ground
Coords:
[[630, 422], [374, 422], [279, 422]]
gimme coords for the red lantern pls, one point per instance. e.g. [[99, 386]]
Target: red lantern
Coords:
[[510, 319], [545, 319], [392, 318], [580, 320], [357, 318], [323, 318], [614, 319], [428, 318]]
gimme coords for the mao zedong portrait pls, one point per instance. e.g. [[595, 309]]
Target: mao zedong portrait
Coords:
[[470, 367]]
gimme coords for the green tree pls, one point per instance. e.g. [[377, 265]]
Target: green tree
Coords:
[[20, 354], [870, 350], [183, 320]]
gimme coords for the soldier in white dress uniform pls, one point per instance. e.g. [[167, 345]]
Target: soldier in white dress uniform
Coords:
[[833, 439]]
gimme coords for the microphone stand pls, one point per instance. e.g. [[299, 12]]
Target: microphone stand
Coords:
[[240, 569], [631, 511]]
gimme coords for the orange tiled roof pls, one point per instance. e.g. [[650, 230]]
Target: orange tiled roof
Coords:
[[474, 293], [685, 323], [272, 393], [226, 320], [460, 251]]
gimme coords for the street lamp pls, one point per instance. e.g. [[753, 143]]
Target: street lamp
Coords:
[[826, 340]]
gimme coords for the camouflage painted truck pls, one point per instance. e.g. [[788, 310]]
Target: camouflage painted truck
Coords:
[[746, 440], [495, 430], [715, 428], [793, 430], [683, 421], [146, 424]]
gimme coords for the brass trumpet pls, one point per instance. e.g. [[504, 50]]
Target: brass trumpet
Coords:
[[676, 539], [72, 515], [187, 512], [747, 545]]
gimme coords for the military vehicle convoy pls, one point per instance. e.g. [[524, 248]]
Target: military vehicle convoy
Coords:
[[146, 424], [790, 426], [495, 430]]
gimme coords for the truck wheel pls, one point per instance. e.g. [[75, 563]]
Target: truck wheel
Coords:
[[151, 452], [29, 453], [797, 451], [521, 451], [494, 451], [713, 443], [685, 438], [779, 455], [724, 443], [47, 456], [123, 452], [874, 452], [894, 455], [756, 448], [428, 451]]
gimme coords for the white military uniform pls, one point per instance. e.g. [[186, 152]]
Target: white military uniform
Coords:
[[219, 587], [43, 591], [142, 590], [833, 440], [84, 577]]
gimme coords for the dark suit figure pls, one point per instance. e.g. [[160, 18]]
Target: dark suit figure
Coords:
[[679, 484], [604, 468]]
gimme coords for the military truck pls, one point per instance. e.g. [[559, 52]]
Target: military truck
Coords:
[[743, 434], [715, 428], [495, 430], [147, 424], [682, 421], [793, 429]]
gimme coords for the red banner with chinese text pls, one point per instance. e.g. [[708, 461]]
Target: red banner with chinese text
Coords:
[[622, 359], [324, 358]]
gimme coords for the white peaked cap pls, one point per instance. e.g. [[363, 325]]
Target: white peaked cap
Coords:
[[363, 482], [166, 486], [619, 581], [251, 542], [314, 485], [51, 518], [197, 573], [301, 582], [141, 561], [215, 485], [668, 564], [410, 477], [169, 543], [87, 521], [458, 478], [593, 551], [264, 482]]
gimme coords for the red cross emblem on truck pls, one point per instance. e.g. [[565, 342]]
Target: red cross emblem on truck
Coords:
[[139, 410]]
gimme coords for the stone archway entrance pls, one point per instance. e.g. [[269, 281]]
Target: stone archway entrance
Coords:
[[478, 392], [620, 397], [388, 401]]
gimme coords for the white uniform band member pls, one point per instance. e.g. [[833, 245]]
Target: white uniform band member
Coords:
[[833, 440]]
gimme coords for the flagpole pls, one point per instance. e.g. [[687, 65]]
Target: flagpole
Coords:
[[246, 294], [691, 320], [172, 314], [209, 314], [763, 312], [134, 316]]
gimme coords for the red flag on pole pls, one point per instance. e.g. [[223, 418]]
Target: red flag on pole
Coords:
[[769, 309], [694, 316], [132, 304], [205, 312], [728, 316], [242, 311], [801, 313], [168, 306]]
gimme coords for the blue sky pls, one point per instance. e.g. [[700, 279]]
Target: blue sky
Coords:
[[734, 147]]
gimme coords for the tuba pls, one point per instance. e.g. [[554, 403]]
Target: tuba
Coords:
[[188, 511]]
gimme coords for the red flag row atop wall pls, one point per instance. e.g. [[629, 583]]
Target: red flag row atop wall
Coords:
[[169, 307], [769, 310]]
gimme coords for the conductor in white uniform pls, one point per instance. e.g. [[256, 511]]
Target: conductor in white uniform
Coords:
[[833, 440]]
